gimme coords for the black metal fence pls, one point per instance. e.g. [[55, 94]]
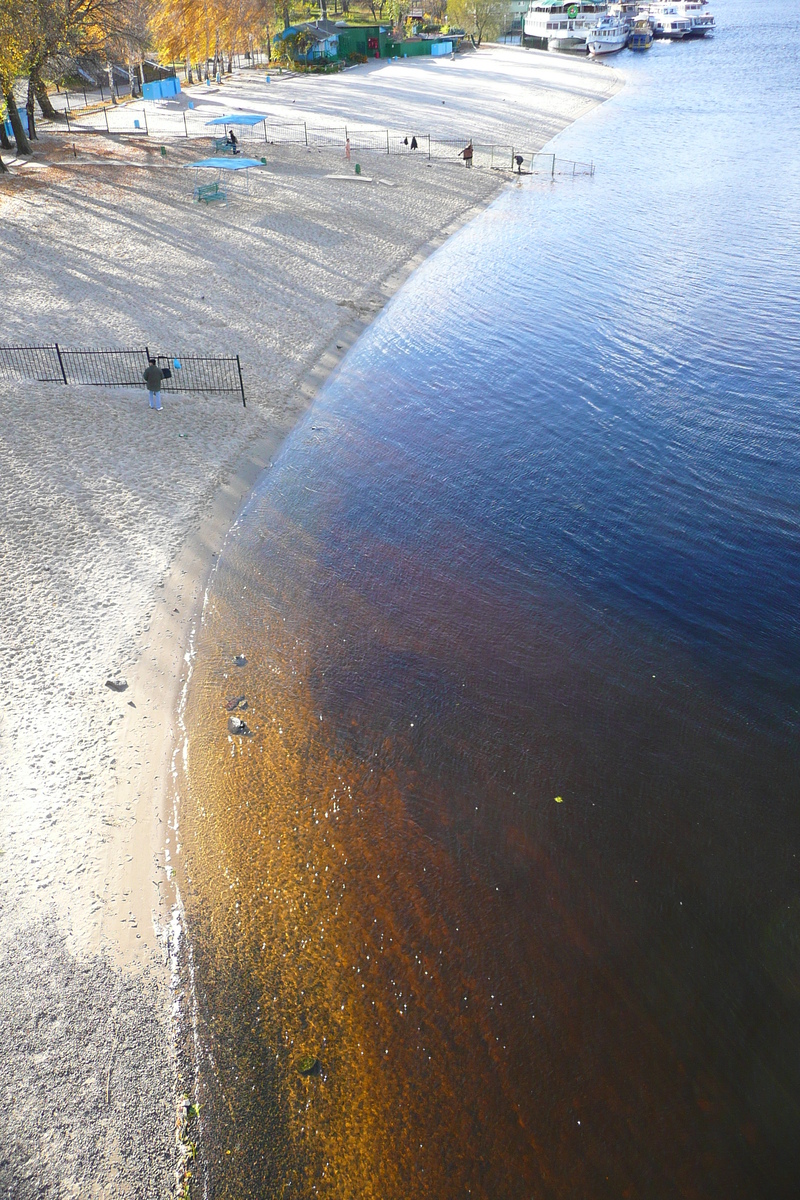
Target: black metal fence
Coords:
[[67, 100], [547, 164], [165, 123], [218, 375]]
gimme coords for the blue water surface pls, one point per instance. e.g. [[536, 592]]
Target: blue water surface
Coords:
[[539, 536]]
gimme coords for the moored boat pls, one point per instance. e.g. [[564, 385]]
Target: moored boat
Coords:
[[609, 35], [702, 22], [641, 35], [558, 25], [669, 21]]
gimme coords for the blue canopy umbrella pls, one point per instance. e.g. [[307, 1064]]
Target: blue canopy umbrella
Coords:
[[228, 164], [238, 119], [203, 191]]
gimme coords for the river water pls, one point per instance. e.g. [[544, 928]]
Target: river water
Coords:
[[511, 853]]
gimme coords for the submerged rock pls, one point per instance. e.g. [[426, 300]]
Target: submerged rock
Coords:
[[234, 702], [240, 660], [237, 725], [308, 1064]]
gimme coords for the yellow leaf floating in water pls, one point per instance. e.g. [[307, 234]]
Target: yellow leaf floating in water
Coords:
[[559, 799]]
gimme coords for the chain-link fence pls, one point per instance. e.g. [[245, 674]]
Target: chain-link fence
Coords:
[[215, 375], [164, 123], [547, 164], [94, 94]]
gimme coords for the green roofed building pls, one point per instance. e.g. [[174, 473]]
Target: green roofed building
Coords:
[[336, 41]]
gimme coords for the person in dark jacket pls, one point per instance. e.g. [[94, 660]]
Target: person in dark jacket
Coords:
[[414, 143], [152, 377], [466, 154], [234, 142]]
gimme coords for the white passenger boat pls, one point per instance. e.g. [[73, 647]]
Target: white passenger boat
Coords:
[[669, 21], [558, 25], [609, 35], [702, 20]]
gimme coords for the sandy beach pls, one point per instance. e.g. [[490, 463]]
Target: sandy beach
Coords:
[[113, 515]]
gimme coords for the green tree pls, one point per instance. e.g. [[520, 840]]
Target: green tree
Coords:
[[481, 20]]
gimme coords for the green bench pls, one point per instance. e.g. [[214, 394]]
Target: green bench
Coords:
[[222, 146], [207, 193]]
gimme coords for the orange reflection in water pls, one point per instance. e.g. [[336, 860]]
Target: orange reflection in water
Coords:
[[454, 951]]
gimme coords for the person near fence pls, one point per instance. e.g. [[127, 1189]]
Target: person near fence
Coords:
[[414, 143], [466, 154], [152, 377], [518, 159], [234, 141]]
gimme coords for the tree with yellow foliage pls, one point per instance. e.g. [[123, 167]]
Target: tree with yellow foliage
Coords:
[[15, 19], [203, 31]]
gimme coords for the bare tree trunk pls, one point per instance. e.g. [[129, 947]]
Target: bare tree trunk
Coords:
[[45, 107], [5, 144], [20, 137], [287, 20], [29, 110]]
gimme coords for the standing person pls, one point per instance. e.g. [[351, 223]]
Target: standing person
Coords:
[[518, 159], [466, 154], [234, 141], [152, 377], [414, 142]]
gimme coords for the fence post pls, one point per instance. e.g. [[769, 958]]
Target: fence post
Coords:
[[241, 381], [61, 362], [305, 131], [387, 141], [185, 126], [553, 168], [105, 114], [66, 114], [429, 147], [144, 112]]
